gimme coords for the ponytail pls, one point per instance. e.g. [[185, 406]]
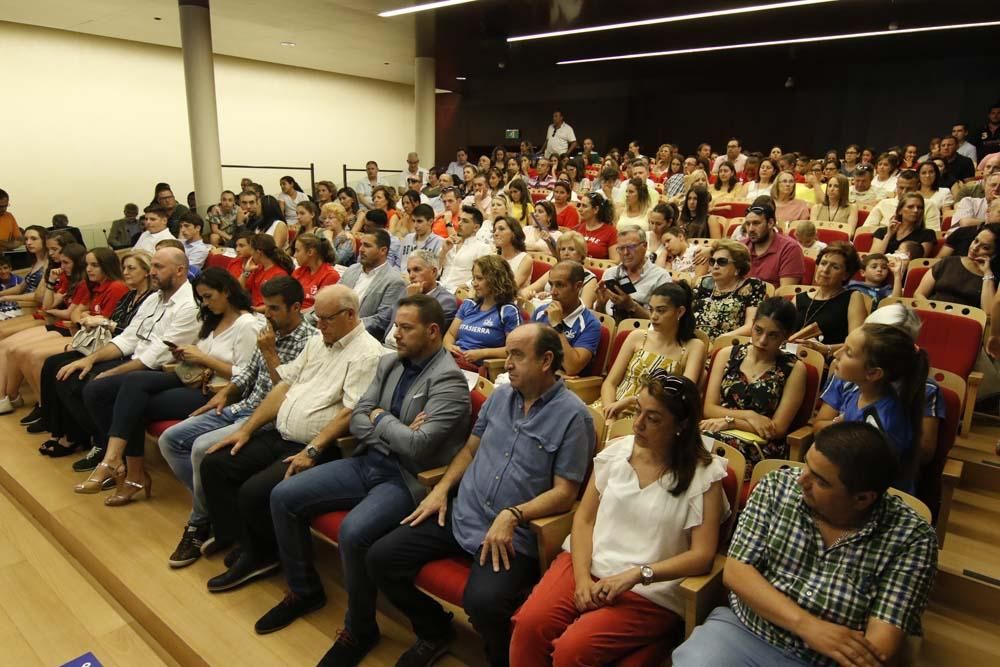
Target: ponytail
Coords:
[[265, 243], [320, 244]]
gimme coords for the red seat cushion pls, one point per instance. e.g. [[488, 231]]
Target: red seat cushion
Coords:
[[445, 578], [539, 269], [156, 429], [913, 278], [863, 241], [329, 524], [830, 235], [929, 476], [952, 341], [809, 264]]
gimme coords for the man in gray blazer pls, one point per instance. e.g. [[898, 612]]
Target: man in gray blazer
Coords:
[[377, 284], [414, 417]]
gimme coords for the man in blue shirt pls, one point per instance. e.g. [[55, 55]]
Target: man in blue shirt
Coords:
[[579, 329], [526, 458]]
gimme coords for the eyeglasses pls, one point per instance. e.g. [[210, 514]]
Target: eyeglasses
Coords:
[[146, 335], [330, 318], [630, 248], [720, 262]]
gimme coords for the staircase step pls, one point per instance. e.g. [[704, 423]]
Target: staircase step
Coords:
[[952, 638]]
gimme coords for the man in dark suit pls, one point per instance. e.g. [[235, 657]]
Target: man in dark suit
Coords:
[[378, 284], [414, 417]]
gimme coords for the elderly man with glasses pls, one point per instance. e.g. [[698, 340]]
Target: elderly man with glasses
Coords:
[[625, 290], [309, 409]]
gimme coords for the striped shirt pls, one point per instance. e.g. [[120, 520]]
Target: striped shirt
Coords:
[[884, 570], [255, 377]]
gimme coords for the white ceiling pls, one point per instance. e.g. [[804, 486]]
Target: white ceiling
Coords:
[[345, 36]]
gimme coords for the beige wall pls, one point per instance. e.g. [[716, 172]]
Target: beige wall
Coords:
[[90, 123]]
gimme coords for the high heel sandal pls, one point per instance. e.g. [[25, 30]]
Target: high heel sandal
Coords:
[[93, 485], [127, 490]]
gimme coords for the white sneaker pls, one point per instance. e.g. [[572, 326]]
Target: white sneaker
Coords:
[[8, 405]]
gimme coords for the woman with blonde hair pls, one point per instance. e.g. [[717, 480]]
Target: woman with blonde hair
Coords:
[[570, 246], [836, 206], [334, 218], [637, 206], [481, 325], [786, 207]]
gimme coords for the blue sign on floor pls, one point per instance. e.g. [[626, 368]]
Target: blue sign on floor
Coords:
[[85, 660]]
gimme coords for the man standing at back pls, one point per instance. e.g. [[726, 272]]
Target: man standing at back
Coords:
[[413, 417], [559, 138]]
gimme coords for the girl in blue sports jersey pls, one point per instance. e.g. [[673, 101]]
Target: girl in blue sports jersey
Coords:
[[479, 330]]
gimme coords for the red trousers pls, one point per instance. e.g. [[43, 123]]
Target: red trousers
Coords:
[[548, 629]]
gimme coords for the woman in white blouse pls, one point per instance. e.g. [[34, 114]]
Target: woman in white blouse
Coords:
[[291, 196], [930, 182], [766, 173], [227, 341], [650, 516]]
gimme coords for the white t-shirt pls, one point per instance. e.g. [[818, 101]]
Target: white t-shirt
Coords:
[[624, 535], [458, 262], [148, 241], [558, 140], [291, 216], [236, 344]]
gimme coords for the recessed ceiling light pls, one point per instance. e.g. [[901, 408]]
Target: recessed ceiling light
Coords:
[[422, 8], [459, 78], [670, 19], [288, 43], [781, 42]]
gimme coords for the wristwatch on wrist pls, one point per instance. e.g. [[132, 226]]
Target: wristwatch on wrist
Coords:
[[312, 452], [729, 419], [646, 575]]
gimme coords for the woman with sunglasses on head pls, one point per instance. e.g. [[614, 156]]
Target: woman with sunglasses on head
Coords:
[[62, 412], [615, 587], [669, 343], [726, 300], [755, 389], [226, 343]]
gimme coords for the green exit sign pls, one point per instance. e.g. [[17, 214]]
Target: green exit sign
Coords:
[[512, 134]]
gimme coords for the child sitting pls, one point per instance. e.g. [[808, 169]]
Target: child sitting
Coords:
[[881, 277], [805, 234], [8, 278]]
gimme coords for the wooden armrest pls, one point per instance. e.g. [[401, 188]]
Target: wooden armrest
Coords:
[[950, 477], [587, 388], [169, 367], [430, 478], [494, 367], [798, 442], [971, 390], [702, 594], [346, 445], [551, 532]]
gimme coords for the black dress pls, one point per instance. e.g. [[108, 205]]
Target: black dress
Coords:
[[829, 315]]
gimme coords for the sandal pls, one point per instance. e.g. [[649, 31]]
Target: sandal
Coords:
[[94, 484], [57, 450], [48, 447], [127, 490]]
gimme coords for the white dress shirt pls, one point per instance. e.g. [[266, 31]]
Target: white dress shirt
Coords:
[[458, 262], [324, 380], [147, 241], [158, 320]]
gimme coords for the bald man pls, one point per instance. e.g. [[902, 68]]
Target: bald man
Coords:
[[170, 314], [310, 408]]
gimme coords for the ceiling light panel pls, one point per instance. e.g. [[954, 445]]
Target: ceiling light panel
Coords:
[[422, 7]]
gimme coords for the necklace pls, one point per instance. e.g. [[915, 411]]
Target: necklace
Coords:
[[831, 214], [810, 315]]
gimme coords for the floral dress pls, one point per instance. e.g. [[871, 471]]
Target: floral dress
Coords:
[[738, 392], [718, 313]]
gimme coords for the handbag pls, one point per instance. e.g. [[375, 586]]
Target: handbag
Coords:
[[193, 375], [88, 341]]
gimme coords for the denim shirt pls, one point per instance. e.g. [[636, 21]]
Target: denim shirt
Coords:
[[518, 458]]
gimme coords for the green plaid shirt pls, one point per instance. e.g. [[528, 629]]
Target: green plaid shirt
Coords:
[[883, 571]]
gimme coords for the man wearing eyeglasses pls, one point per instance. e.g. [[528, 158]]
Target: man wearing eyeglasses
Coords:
[[734, 153], [774, 257], [165, 198], [625, 290], [309, 408], [413, 170]]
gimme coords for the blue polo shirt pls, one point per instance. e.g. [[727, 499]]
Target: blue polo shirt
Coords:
[[485, 328], [517, 458], [581, 327]]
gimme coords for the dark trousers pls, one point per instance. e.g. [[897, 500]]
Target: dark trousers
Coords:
[[121, 404], [62, 402], [238, 491], [371, 486], [490, 598]]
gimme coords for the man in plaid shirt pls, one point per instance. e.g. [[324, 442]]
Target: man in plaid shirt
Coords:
[[826, 568], [184, 445]]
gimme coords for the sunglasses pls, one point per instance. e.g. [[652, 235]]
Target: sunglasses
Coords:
[[720, 262], [765, 211]]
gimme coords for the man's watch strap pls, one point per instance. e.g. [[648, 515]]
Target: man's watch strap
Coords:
[[312, 452]]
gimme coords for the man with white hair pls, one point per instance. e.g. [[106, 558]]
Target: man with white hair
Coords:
[[310, 408]]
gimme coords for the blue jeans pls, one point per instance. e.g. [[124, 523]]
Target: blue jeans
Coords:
[[372, 487], [184, 446], [723, 640]]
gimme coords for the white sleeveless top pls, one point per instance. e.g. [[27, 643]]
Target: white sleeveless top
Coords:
[[625, 534]]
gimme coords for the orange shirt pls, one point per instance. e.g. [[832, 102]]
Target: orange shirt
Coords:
[[9, 230]]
